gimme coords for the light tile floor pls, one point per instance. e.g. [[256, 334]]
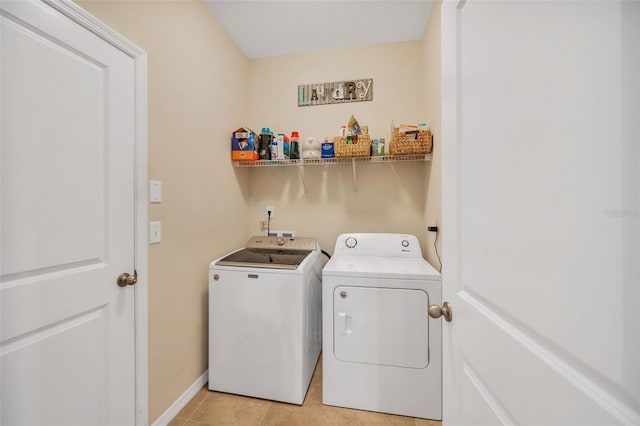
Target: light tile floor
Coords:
[[215, 408]]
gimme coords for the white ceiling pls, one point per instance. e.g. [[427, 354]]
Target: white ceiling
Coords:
[[264, 28]]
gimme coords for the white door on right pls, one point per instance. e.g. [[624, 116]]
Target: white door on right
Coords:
[[541, 233]]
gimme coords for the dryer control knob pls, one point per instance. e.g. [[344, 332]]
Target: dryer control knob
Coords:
[[351, 242], [405, 243], [280, 241]]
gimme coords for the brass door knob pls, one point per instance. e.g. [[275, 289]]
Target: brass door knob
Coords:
[[125, 279], [436, 311]]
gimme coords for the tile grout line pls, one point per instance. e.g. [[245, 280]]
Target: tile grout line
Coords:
[[198, 407]]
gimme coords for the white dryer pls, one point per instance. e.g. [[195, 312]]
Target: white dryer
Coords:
[[381, 351], [265, 318]]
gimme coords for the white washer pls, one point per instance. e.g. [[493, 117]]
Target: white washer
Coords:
[[265, 318], [381, 351]]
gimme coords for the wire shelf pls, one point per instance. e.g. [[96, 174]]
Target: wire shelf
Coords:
[[326, 161]]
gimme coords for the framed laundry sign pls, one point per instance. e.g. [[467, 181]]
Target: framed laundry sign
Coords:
[[336, 92]]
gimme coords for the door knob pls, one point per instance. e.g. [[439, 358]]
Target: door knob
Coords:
[[436, 311], [125, 279]]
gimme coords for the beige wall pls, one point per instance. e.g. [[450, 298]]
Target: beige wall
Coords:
[[197, 93], [432, 100], [397, 88], [390, 197]]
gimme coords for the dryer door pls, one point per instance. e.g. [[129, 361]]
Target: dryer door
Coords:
[[381, 326]]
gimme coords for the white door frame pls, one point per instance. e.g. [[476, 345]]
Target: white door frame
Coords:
[[450, 205], [81, 17]]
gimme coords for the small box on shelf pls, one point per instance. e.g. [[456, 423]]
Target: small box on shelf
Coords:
[[244, 145]]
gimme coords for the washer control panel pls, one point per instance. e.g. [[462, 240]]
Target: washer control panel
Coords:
[[264, 242]]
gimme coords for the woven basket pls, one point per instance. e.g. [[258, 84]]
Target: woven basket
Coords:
[[410, 143], [361, 148]]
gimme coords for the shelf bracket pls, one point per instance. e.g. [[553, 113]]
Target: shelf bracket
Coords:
[[301, 175], [355, 180]]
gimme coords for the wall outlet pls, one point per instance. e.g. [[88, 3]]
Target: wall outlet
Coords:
[[268, 209]]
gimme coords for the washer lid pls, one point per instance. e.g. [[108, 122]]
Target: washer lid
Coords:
[[264, 258], [380, 267]]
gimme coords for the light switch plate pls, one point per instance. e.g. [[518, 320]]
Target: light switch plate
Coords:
[[155, 191], [155, 232]]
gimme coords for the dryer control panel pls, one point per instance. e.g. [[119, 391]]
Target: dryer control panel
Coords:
[[378, 245]]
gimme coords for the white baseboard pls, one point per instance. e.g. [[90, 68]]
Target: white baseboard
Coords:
[[182, 401]]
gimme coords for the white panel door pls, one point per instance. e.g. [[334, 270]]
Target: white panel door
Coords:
[[541, 212], [67, 222]]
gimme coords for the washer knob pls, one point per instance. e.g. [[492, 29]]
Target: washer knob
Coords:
[[405, 243], [280, 241], [351, 242]]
